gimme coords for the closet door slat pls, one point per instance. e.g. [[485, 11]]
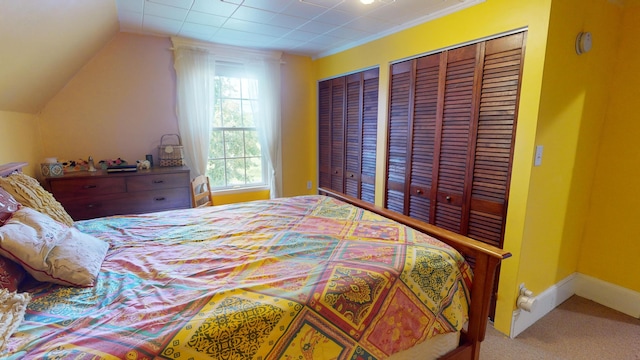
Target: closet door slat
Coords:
[[324, 134], [456, 125], [398, 133], [369, 134], [425, 108], [494, 145]]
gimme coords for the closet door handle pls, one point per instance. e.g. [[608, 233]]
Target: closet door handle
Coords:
[[419, 191], [448, 198]]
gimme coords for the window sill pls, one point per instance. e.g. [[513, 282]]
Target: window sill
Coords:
[[239, 190]]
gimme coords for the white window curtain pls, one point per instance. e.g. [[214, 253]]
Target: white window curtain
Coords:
[[195, 83], [263, 65], [266, 114]]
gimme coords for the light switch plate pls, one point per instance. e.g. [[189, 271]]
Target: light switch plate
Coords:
[[538, 159]]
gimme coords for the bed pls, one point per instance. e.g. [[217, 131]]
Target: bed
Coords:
[[308, 277]]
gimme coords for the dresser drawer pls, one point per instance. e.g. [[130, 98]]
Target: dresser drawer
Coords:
[[87, 186], [157, 182], [90, 195], [157, 200], [83, 208]]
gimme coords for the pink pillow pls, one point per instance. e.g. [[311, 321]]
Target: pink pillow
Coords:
[[11, 274], [8, 205]]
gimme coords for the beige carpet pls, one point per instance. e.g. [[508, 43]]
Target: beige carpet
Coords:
[[577, 329]]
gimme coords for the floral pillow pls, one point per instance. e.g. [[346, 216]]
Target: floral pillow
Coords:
[[51, 251], [28, 192], [8, 205], [11, 274]]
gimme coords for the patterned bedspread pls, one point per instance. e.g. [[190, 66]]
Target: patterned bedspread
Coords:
[[298, 278]]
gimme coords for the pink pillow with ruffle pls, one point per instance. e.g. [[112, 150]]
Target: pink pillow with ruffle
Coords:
[[8, 205]]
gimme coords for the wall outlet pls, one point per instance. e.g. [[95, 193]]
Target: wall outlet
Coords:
[[309, 184]]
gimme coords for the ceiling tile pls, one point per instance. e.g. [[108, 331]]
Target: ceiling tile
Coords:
[[198, 29], [316, 27], [356, 7], [182, 4], [271, 5], [302, 10], [288, 21], [214, 7], [130, 5], [161, 25], [251, 14], [247, 26], [205, 19], [348, 33], [164, 11], [327, 4], [335, 17]]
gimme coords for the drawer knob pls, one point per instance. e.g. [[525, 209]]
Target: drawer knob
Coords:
[[160, 198], [90, 186], [158, 181]]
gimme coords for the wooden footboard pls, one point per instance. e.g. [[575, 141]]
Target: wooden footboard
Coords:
[[486, 257]]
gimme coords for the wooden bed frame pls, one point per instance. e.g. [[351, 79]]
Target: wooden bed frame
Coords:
[[487, 258]]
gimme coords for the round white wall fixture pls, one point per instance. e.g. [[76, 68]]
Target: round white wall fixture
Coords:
[[583, 42]]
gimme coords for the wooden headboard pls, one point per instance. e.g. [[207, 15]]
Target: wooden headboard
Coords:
[[10, 168]]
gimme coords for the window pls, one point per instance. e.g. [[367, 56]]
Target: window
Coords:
[[235, 157]]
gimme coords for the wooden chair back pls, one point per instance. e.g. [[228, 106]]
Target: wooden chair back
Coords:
[[201, 192]]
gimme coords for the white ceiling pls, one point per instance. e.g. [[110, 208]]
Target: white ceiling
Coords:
[[307, 27]]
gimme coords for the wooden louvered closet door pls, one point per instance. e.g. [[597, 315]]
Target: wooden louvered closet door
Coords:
[[452, 118], [347, 128]]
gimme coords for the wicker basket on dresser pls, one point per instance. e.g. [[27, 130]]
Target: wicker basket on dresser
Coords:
[[88, 195]]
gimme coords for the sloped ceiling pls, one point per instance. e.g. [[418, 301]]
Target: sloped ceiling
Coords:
[[44, 44]]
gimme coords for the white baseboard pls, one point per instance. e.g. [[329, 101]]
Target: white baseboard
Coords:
[[545, 302], [610, 295], [604, 293]]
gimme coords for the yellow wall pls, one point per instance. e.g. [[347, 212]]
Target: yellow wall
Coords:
[[573, 106], [504, 16], [299, 130], [19, 133], [611, 246]]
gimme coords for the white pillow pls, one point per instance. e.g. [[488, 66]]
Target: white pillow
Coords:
[[51, 251]]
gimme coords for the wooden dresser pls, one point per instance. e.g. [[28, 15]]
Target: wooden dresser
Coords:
[[88, 195]]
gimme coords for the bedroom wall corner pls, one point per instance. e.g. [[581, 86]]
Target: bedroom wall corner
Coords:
[[20, 141], [573, 104], [299, 128], [610, 247]]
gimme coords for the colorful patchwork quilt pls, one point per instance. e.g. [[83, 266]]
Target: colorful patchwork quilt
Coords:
[[306, 277]]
